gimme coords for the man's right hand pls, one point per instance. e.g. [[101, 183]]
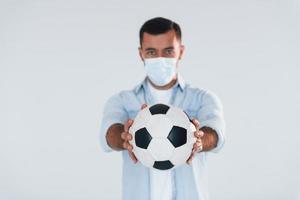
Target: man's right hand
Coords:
[[126, 136]]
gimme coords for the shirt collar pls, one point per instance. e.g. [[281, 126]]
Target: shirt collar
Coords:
[[180, 82]]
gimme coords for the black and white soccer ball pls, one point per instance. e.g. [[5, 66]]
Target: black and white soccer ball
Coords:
[[163, 136]]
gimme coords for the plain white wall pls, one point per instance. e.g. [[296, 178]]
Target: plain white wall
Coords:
[[61, 60]]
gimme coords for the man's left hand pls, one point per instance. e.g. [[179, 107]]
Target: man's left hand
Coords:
[[198, 145]]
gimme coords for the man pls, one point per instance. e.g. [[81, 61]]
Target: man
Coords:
[[160, 50]]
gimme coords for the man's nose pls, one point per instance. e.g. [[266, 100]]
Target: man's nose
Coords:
[[160, 54]]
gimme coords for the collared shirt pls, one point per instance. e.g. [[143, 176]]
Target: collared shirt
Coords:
[[190, 180]]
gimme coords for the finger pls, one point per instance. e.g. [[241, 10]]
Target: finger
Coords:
[[195, 148], [143, 106], [129, 137], [198, 143], [197, 134], [125, 145], [189, 161], [196, 123], [127, 125], [126, 136], [129, 147], [132, 156], [201, 133]]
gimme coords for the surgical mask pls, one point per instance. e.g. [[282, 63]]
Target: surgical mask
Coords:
[[161, 70]]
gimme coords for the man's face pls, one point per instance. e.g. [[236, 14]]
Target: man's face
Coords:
[[162, 45]]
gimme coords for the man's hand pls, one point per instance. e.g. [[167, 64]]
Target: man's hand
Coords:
[[198, 145], [126, 136], [207, 139]]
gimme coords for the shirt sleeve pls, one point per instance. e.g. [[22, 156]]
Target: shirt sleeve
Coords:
[[210, 115], [113, 113]]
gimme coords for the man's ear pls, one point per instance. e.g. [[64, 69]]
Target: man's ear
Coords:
[[181, 51], [141, 54]]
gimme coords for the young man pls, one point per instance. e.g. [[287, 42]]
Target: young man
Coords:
[[160, 50]]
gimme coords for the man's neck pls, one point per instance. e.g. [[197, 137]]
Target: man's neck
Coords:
[[164, 87]]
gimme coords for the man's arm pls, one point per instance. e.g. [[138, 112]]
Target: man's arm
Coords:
[[113, 113], [118, 137], [113, 137], [210, 135], [212, 122], [209, 139]]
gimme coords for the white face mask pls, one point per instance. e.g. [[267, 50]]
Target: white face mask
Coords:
[[161, 70]]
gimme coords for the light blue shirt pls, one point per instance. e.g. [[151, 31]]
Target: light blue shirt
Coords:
[[190, 180]]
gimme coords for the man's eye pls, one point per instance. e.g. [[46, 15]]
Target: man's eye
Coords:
[[151, 53], [169, 51]]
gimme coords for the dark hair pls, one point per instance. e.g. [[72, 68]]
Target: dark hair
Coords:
[[159, 25]]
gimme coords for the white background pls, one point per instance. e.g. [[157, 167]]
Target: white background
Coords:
[[61, 60]]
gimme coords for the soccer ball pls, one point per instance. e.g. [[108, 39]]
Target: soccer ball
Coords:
[[163, 136]]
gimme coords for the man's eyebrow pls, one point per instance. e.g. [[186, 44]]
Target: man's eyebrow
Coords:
[[150, 49], [171, 47]]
